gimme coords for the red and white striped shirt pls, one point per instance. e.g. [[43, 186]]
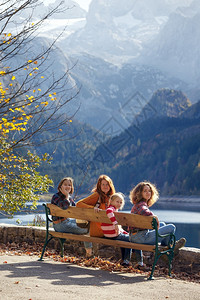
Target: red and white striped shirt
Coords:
[[109, 229]]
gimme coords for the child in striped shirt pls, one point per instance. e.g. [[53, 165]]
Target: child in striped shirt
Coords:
[[115, 231]]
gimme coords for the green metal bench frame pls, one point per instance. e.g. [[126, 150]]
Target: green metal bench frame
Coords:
[[122, 218]]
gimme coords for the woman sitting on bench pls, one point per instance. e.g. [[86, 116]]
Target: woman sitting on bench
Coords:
[[63, 199], [142, 197]]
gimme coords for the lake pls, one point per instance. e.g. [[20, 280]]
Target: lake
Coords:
[[187, 223]]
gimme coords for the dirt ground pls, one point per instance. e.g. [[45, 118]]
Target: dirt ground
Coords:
[[24, 277]]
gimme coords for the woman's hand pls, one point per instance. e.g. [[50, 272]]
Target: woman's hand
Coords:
[[117, 229], [63, 191], [96, 209]]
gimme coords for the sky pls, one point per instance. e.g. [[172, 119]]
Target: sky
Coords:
[[83, 3]]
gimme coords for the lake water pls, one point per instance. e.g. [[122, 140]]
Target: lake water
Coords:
[[187, 223]]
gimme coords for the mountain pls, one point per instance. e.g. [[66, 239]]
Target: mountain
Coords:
[[193, 112], [174, 49], [116, 32], [137, 48], [68, 9], [110, 54], [166, 102], [71, 155], [163, 149], [108, 91]]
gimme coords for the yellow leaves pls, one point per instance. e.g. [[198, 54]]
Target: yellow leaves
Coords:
[[31, 98], [15, 111], [7, 126], [45, 103], [9, 34], [29, 117], [52, 98], [18, 109]]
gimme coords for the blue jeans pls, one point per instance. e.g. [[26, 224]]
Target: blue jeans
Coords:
[[149, 236], [69, 226], [126, 252]]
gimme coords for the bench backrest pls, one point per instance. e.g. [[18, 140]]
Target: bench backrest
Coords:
[[124, 219]]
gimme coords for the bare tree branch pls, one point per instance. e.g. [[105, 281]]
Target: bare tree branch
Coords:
[[34, 92]]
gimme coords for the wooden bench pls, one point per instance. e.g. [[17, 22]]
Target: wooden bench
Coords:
[[124, 219]]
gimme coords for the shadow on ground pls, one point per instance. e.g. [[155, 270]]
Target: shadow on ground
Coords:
[[68, 274]]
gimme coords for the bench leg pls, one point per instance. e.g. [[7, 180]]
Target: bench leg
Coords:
[[62, 246], [45, 244], [153, 268], [157, 256], [170, 258]]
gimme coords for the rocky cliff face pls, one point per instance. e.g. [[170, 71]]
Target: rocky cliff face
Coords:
[[120, 51], [175, 49]]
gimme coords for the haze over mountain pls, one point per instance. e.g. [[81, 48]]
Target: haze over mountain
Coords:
[[176, 48], [120, 50], [160, 145]]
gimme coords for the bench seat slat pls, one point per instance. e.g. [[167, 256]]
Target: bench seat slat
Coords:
[[114, 243]]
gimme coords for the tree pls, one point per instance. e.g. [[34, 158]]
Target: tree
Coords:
[[30, 103], [26, 107], [19, 180]]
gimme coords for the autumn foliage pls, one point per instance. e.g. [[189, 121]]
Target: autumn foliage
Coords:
[[29, 105]]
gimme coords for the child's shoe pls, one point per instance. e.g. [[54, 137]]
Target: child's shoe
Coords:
[[89, 253], [126, 263], [140, 266]]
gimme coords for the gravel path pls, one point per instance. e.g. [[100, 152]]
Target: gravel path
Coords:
[[24, 277]]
